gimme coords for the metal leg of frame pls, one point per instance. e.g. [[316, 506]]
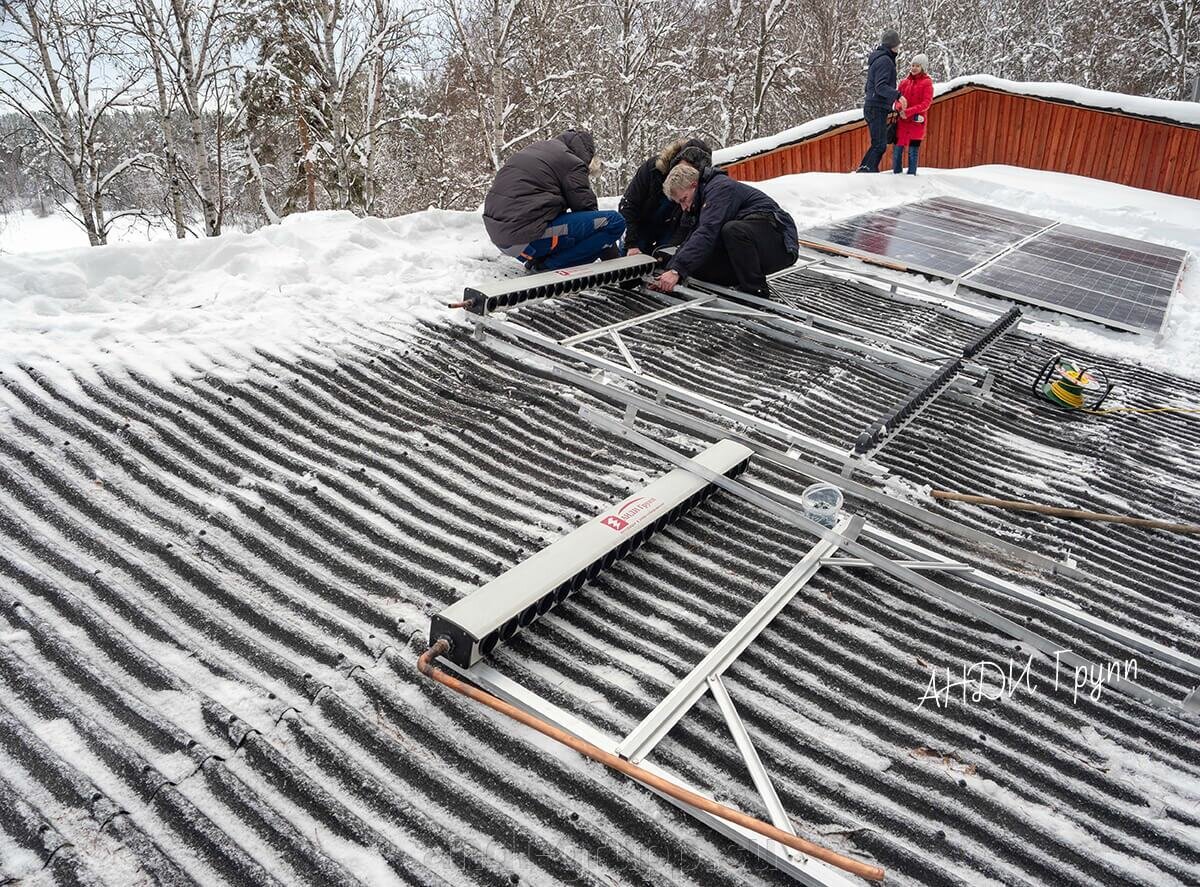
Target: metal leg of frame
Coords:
[[745, 746], [625, 353], [804, 869], [658, 723]]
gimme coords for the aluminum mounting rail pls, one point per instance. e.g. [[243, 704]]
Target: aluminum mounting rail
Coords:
[[826, 328], [945, 566], [664, 388], [1050, 605], [634, 403], [794, 333], [769, 501]]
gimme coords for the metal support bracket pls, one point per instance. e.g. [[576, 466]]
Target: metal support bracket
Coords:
[[642, 739], [758, 773], [804, 869]]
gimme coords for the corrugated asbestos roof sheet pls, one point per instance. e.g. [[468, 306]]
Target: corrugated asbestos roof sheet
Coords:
[[213, 591]]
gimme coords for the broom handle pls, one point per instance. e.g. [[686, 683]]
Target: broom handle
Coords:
[[1018, 505], [851, 254]]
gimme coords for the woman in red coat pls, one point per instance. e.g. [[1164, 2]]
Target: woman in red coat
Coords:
[[917, 88]]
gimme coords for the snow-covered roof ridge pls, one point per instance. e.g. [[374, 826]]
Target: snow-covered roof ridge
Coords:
[[1185, 113]]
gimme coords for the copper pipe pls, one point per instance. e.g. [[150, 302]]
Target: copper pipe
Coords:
[[465, 303], [1074, 513], [425, 666]]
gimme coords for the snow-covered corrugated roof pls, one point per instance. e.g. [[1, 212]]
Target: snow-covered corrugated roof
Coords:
[[1184, 113], [214, 572], [210, 589]]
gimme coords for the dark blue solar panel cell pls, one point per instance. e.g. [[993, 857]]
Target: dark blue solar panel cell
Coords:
[[1115, 280]]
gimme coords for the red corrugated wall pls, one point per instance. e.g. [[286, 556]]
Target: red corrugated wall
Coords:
[[975, 125]]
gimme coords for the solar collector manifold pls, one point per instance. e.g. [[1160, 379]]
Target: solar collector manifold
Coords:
[[502, 294], [495, 612]]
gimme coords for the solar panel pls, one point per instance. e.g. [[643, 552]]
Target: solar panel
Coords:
[[1114, 280], [1117, 281], [943, 236]]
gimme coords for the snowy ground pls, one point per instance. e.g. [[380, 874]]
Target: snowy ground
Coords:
[[168, 307], [22, 231]]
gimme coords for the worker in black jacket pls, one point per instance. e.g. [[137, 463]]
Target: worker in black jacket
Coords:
[[741, 234], [651, 218], [541, 208]]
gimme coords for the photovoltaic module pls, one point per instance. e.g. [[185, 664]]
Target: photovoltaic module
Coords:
[[1116, 281]]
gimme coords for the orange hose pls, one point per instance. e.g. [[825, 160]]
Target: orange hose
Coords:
[[853, 866]]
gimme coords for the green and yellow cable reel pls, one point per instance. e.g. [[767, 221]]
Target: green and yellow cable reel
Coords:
[[1079, 388], [1071, 385]]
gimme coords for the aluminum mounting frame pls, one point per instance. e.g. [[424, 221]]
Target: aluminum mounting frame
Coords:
[[791, 461], [785, 507], [835, 332], [646, 735], [664, 389]]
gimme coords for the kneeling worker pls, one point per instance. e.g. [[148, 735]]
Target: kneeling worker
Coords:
[[541, 209], [741, 235], [651, 219]]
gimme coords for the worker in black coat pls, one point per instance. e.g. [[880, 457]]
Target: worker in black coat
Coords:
[[741, 235], [541, 208], [651, 218], [880, 96]]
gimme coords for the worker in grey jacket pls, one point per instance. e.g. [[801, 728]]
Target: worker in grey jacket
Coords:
[[541, 208]]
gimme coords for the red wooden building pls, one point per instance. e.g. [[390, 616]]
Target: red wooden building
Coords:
[[1145, 143]]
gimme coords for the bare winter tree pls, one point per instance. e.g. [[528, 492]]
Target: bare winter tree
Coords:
[[187, 40], [1174, 41], [329, 76], [145, 23], [636, 49], [491, 52], [353, 43], [64, 68]]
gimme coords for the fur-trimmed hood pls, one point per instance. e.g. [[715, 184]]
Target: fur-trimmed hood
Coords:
[[693, 151]]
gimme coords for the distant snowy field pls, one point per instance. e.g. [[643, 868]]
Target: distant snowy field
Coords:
[[175, 307]]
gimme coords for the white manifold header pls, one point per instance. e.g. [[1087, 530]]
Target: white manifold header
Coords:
[[498, 610], [497, 295]]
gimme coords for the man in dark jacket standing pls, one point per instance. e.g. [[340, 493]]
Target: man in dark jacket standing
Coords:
[[652, 220], [880, 96], [541, 209], [741, 234]]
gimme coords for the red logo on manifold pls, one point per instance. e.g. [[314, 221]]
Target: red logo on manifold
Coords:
[[631, 511]]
